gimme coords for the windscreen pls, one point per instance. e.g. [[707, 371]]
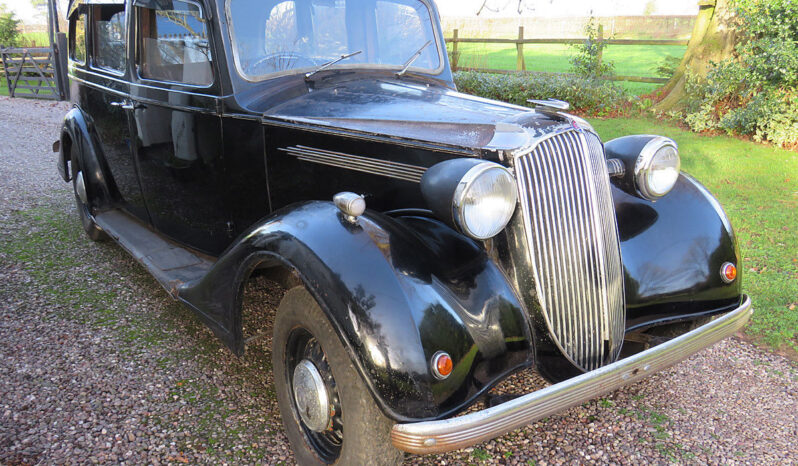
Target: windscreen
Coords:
[[292, 36]]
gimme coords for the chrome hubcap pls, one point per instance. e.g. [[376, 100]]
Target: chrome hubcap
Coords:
[[80, 187], [310, 394]]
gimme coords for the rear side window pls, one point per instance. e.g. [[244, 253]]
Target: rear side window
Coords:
[[77, 39], [109, 37], [174, 44]]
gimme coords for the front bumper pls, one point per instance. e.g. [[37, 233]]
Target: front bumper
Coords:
[[464, 431]]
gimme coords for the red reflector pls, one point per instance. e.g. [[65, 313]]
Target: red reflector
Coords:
[[442, 365], [728, 272]]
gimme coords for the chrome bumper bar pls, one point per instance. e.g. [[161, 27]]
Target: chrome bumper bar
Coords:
[[470, 429]]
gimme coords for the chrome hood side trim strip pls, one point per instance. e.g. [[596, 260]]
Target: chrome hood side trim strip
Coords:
[[396, 170]]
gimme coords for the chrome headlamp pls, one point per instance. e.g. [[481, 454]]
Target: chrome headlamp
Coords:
[[476, 197], [651, 164], [657, 168]]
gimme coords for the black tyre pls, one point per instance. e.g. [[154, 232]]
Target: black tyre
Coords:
[[355, 431], [93, 231]]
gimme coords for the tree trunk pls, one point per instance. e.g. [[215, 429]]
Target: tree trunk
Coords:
[[713, 40]]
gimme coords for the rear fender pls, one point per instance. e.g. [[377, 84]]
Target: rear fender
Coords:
[[76, 131], [396, 291]]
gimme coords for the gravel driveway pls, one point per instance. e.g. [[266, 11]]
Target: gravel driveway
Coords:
[[98, 365]]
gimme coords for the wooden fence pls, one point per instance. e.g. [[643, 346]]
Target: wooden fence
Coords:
[[521, 61]]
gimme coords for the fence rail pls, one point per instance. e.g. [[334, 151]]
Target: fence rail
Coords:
[[30, 69], [519, 42], [38, 72]]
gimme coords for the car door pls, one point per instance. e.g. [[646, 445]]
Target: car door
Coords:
[[177, 129], [104, 98]]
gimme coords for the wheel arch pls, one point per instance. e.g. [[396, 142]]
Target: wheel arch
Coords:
[[77, 132], [65, 155], [392, 298]]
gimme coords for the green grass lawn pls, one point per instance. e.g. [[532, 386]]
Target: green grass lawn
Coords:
[[35, 39], [758, 187], [19, 93], [629, 60]]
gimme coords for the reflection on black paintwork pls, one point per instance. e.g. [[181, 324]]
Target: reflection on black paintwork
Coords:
[[638, 217], [179, 156], [671, 251], [113, 131]]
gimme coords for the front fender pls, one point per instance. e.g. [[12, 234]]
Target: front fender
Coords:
[[672, 253], [397, 291]]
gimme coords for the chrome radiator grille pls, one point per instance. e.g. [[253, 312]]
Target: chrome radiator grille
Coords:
[[571, 229]]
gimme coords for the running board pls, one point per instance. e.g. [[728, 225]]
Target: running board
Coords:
[[170, 263]]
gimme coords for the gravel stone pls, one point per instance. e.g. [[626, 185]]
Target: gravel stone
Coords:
[[98, 365]]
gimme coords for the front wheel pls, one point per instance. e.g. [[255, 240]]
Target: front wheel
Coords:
[[328, 413], [82, 201]]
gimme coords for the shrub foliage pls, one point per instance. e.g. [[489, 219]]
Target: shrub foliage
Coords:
[[587, 59], [587, 89], [587, 94], [9, 28], [756, 91]]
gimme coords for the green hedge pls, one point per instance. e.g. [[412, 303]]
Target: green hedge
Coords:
[[587, 95]]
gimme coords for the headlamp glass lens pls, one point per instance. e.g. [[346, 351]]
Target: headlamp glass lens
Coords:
[[664, 171], [487, 203]]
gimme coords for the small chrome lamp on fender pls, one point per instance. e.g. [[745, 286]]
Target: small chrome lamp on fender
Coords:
[[651, 163], [350, 204], [473, 196]]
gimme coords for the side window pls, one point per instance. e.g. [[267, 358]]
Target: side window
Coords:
[[109, 37], [77, 39], [173, 44]]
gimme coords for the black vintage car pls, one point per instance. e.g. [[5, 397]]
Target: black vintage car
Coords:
[[214, 139]]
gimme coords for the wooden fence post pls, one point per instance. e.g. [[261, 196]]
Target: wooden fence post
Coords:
[[600, 48], [520, 63], [455, 54], [521, 41], [6, 72], [60, 65]]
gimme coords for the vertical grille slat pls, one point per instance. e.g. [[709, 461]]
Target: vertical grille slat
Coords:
[[577, 337], [571, 229]]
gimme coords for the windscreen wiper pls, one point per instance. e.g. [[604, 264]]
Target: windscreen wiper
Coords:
[[413, 59], [331, 63]]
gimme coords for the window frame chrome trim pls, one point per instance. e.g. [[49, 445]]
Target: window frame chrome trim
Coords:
[[152, 82], [90, 54]]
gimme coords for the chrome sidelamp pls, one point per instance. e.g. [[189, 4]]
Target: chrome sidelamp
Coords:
[[571, 229]]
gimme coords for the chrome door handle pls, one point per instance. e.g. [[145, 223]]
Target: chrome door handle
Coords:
[[128, 105]]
